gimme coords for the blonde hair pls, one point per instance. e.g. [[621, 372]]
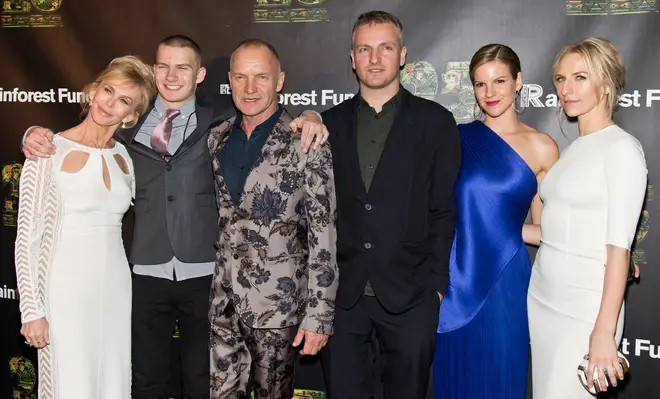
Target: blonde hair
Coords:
[[131, 69], [603, 62]]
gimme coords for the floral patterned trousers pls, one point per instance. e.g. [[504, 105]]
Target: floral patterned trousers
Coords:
[[238, 350]]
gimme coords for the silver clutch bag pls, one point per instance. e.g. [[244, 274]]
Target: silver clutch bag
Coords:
[[582, 373]]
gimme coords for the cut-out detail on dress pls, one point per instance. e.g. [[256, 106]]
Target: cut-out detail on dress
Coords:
[[75, 161], [122, 163], [43, 184]]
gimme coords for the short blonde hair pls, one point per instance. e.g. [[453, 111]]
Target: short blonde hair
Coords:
[[604, 64], [131, 69]]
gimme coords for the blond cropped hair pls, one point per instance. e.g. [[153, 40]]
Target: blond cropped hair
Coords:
[[133, 71]]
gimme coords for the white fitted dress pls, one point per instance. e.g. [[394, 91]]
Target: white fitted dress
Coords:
[[72, 269], [592, 197]]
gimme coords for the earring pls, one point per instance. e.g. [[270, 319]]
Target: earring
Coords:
[[522, 109], [126, 125], [561, 116], [477, 112]]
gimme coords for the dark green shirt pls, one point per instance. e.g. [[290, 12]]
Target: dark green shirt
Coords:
[[372, 131]]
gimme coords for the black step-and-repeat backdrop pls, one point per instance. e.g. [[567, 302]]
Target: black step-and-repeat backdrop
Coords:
[[50, 48]]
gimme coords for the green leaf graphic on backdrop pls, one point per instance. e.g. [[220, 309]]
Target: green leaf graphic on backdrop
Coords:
[[610, 7], [25, 377]]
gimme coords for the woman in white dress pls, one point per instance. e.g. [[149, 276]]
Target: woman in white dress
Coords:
[[73, 276], [592, 202]]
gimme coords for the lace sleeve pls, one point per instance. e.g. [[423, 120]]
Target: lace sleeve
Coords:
[[31, 243]]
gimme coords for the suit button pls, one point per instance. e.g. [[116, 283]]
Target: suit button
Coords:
[[235, 256], [170, 198], [168, 167], [367, 245], [367, 207]]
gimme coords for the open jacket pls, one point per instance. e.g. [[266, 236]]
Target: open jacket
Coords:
[[276, 248]]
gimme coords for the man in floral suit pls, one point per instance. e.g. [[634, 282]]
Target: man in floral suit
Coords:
[[276, 274]]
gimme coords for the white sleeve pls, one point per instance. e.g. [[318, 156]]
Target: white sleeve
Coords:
[[33, 195], [626, 177]]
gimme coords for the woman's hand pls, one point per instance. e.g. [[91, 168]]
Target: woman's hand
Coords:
[[603, 358], [36, 333]]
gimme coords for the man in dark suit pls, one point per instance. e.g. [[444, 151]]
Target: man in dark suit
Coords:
[[175, 226], [397, 158]]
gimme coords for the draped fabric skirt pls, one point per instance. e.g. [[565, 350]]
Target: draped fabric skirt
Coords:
[[488, 357]]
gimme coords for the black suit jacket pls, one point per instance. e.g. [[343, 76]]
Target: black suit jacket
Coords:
[[175, 211], [400, 233]]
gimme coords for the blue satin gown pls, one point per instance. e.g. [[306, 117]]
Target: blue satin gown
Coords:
[[482, 345]]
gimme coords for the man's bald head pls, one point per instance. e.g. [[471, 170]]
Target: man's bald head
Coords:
[[257, 42], [255, 78]]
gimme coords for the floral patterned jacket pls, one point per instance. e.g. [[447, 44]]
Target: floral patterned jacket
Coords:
[[276, 251]]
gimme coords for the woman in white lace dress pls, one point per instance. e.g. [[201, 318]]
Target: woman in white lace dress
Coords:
[[73, 276], [592, 200]]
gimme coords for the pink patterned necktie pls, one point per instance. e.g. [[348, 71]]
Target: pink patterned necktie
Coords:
[[160, 138]]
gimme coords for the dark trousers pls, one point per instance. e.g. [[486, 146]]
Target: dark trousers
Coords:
[[406, 343], [157, 304], [246, 359]]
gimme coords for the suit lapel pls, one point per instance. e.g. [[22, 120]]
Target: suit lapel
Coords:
[[395, 161], [217, 139], [127, 136], [275, 150], [204, 117], [353, 155]]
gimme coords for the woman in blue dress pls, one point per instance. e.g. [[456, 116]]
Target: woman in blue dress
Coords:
[[482, 344]]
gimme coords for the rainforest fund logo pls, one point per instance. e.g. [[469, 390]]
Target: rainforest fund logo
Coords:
[[639, 255], [11, 175], [30, 13], [610, 7], [457, 93], [290, 11], [451, 88], [24, 378], [421, 79]]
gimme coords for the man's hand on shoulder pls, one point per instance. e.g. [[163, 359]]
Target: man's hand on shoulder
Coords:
[[312, 129], [38, 143]]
